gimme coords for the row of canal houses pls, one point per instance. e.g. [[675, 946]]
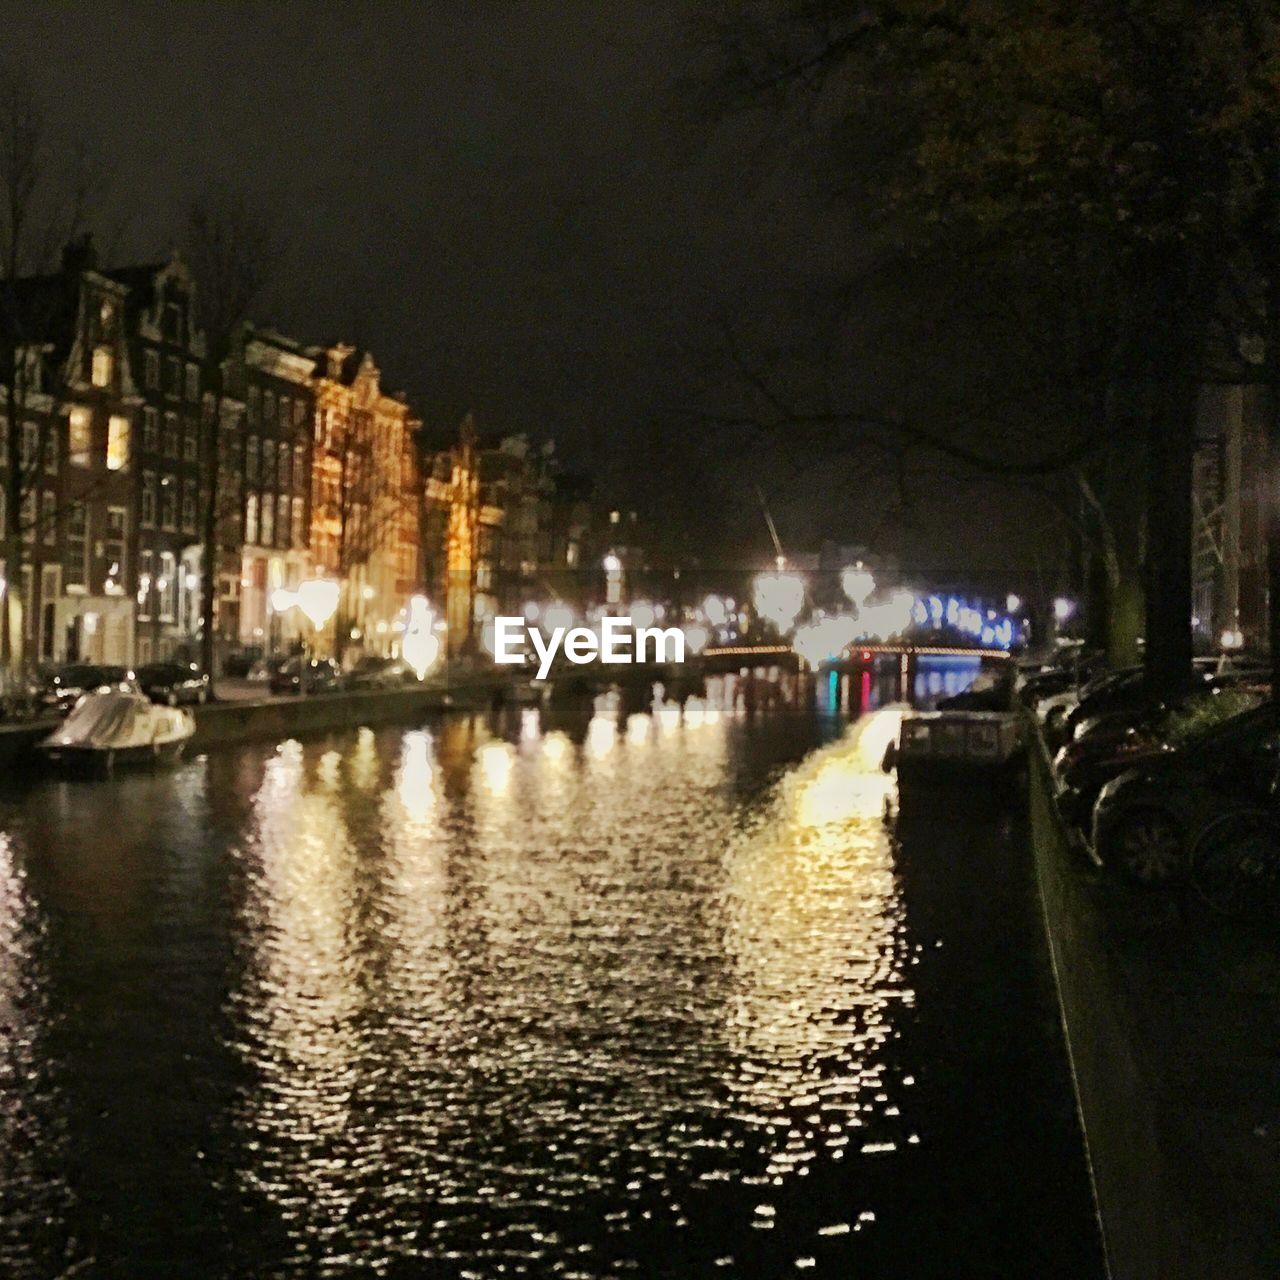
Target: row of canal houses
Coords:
[[113, 416]]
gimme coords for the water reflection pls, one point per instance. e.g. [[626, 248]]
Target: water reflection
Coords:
[[555, 1015]]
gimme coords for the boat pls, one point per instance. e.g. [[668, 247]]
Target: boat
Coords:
[[941, 744], [114, 727]]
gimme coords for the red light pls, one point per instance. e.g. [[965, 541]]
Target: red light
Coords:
[[866, 655]]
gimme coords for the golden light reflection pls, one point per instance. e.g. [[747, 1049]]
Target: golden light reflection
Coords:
[[495, 762], [639, 727], [301, 1005], [602, 737], [415, 779], [667, 716], [815, 933], [530, 724], [557, 747], [364, 760]]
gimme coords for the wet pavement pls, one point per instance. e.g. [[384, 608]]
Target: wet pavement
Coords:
[[615, 990]]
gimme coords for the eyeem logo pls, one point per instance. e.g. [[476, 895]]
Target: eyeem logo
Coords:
[[619, 642]]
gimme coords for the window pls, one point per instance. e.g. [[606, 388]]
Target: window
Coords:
[[146, 581], [172, 377], [48, 519], [150, 429], [50, 453], [151, 370], [27, 516], [282, 520], [28, 446], [147, 516], [169, 503], [268, 521], [299, 466], [299, 538], [284, 465], [268, 464], [188, 506], [193, 382], [102, 362], [190, 442], [167, 586], [171, 322], [299, 412], [171, 435], [207, 405], [285, 411], [251, 518], [113, 549], [80, 439], [254, 405], [77, 563], [268, 407], [117, 442], [251, 459]]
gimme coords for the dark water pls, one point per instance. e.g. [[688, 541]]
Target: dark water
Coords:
[[653, 994]]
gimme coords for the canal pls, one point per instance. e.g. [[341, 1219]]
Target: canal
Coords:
[[618, 989]]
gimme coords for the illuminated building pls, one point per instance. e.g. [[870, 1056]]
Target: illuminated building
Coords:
[[365, 529]]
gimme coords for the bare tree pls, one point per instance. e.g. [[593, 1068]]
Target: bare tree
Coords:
[[44, 195], [233, 250]]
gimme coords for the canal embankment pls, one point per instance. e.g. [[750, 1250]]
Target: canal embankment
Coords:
[[224, 722], [1173, 1024]]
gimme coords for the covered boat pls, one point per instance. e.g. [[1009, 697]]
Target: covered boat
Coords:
[[939, 744], [114, 727]]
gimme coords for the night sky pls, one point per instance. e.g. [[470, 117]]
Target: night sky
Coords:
[[520, 208]]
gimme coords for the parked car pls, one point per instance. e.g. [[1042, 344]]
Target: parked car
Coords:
[[239, 662], [1146, 818], [311, 675], [268, 665], [1127, 691], [173, 683], [373, 672], [1109, 745], [64, 686]]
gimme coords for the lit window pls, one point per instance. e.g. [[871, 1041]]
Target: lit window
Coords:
[[167, 586], [268, 521], [113, 549], [117, 442], [169, 503], [150, 429], [101, 366], [77, 561], [28, 444], [48, 518], [251, 518], [81, 436]]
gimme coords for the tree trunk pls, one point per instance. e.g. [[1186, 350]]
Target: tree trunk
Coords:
[[1171, 452], [209, 550], [1272, 516]]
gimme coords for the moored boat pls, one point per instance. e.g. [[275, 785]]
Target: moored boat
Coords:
[[117, 728]]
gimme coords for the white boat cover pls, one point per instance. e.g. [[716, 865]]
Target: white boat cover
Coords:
[[116, 721]]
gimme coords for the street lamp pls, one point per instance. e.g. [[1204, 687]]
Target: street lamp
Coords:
[[420, 646], [318, 599], [779, 597], [612, 579], [857, 583]]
